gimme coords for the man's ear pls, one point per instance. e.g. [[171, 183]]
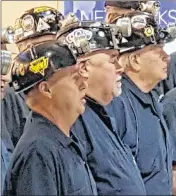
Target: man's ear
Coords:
[[44, 89], [83, 69], [134, 63]]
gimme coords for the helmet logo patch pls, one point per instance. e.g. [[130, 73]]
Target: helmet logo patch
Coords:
[[28, 23], [78, 36], [39, 65], [138, 22], [42, 25]]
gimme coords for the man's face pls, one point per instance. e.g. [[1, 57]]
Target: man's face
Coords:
[[154, 63], [68, 90], [106, 73]]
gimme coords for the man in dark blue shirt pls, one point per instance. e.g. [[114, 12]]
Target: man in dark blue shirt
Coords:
[[6, 142], [116, 9], [169, 111], [47, 160], [15, 111], [144, 129], [111, 163]]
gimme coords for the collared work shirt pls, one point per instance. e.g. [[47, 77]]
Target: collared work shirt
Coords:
[[143, 129], [111, 163], [47, 162]]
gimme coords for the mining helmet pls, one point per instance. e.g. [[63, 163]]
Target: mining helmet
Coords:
[[36, 22], [39, 62], [88, 36]]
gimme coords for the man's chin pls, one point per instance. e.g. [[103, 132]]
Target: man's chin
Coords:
[[82, 109], [117, 93]]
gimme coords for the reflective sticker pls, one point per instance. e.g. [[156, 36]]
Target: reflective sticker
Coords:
[[138, 22], [42, 25], [39, 65], [18, 31], [26, 34], [78, 36], [149, 31], [43, 9], [28, 23]]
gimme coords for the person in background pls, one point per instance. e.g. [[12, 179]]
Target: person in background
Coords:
[[6, 143], [36, 25], [116, 9]]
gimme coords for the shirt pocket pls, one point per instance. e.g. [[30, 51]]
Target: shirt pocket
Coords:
[[78, 178]]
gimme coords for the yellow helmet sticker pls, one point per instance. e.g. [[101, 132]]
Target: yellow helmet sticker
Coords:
[[149, 31], [39, 65], [42, 9]]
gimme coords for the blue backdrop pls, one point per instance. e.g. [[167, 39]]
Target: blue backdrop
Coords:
[[94, 10]]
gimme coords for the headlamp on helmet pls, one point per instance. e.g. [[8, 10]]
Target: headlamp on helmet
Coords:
[[137, 29], [7, 35]]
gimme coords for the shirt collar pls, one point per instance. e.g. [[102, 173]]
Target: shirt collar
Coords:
[[144, 97], [64, 140]]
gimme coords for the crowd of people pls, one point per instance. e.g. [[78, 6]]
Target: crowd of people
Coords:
[[87, 107]]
